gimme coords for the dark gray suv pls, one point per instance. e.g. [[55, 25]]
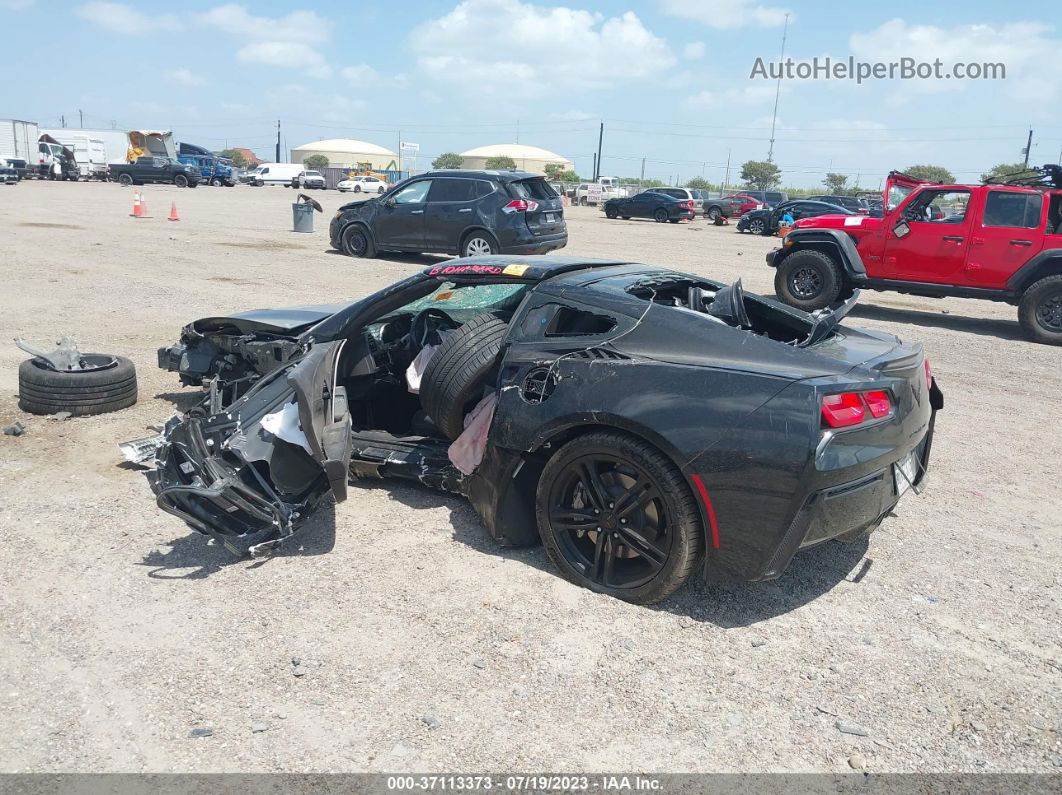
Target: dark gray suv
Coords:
[[455, 212]]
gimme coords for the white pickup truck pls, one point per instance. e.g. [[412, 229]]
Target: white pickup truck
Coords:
[[593, 193]]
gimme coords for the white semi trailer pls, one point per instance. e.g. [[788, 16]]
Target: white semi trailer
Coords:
[[18, 142]]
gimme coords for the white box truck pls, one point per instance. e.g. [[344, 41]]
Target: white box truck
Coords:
[[89, 151], [115, 142], [18, 145]]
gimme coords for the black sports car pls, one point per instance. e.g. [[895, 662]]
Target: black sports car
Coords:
[[646, 422], [765, 222], [650, 204]]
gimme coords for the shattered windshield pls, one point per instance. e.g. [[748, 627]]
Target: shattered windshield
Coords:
[[450, 296], [897, 193]]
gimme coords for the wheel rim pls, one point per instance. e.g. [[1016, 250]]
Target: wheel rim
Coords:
[[1049, 312], [92, 362], [357, 188], [756, 226], [661, 215], [610, 521], [180, 182], [714, 213], [126, 180], [477, 246], [806, 282], [356, 242], [216, 183]]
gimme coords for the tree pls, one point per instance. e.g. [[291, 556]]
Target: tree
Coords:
[[448, 160], [836, 184], [315, 162], [937, 174], [1004, 170], [761, 174], [500, 163], [567, 176], [555, 172], [236, 156], [699, 183]]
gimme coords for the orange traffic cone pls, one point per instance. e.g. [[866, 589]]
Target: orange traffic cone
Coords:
[[173, 212], [138, 206]]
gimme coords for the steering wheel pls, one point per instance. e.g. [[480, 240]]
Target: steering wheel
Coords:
[[429, 322]]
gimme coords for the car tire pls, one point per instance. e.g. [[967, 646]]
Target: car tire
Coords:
[[611, 212], [808, 279], [478, 244], [456, 373], [1040, 311], [713, 214], [180, 180], [660, 216], [380, 191], [600, 471], [45, 391], [357, 188], [125, 180], [216, 182], [757, 226], [357, 242]]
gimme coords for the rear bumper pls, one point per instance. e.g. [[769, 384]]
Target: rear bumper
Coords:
[[536, 245]]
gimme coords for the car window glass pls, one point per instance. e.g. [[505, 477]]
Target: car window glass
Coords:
[[940, 206], [413, 194], [536, 188], [449, 296], [451, 190], [483, 188], [1019, 210]]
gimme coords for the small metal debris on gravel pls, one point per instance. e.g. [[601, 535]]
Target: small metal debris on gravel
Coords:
[[14, 429], [431, 721], [851, 728], [206, 732]]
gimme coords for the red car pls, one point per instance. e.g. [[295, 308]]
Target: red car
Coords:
[[997, 241]]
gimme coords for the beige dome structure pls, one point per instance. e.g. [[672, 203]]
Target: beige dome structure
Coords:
[[347, 153], [528, 158]]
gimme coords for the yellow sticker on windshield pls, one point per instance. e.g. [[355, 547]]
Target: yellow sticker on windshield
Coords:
[[514, 270], [445, 296]]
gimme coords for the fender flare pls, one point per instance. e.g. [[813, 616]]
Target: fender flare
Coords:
[[834, 240], [1046, 263]]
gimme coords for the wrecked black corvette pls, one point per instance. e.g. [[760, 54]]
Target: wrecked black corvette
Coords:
[[645, 421]]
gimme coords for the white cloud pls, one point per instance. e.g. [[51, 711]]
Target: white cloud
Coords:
[[733, 14], [184, 77], [122, 18], [359, 75], [730, 97], [300, 25], [524, 48], [286, 53], [694, 50], [1022, 46]]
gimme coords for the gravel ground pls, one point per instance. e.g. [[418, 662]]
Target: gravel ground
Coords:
[[398, 637]]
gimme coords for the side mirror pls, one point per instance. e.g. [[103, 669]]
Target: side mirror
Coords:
[[901, 230], [389, 202]]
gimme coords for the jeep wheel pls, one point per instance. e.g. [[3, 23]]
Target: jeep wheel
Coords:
[[1040, 311], [808, 280]]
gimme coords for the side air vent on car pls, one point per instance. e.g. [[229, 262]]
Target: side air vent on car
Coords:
[[538, 385], [599, 353]]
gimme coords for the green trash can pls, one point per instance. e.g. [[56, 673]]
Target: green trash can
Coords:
[[302, 216]]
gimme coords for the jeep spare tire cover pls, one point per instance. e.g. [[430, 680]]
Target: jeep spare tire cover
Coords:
[[454, 378]]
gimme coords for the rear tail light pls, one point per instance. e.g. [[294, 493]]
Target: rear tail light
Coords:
[[520, 206], [688, 204], [851, 408], [929, 374]]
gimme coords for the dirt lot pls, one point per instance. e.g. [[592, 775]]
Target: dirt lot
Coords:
[[421, 645]]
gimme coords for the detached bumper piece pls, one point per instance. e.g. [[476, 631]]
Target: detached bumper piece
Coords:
[[218, 494]]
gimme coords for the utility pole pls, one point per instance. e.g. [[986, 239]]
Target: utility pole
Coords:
[[726, 179], [278, 142], [400, 152], [777, 90], [597, 168], [62, 123], [643, 170], [518, 131], [1028, 148], [81, 118]]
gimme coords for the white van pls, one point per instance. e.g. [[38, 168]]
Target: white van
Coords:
[[276, 174]]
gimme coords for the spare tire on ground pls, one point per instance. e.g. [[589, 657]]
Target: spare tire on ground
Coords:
[[454, 378], [108, 385]]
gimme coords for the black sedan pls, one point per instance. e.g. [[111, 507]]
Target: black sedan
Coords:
[[765, 222], [650, 204], [641, 422]]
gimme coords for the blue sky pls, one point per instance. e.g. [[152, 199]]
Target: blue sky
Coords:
[[669, 79]]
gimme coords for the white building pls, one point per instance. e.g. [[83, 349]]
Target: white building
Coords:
[[528, 158], [347, 153]]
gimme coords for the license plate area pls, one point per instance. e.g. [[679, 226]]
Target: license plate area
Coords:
[[905, 473], [551, 218]]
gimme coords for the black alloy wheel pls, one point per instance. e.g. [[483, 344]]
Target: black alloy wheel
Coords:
[[660, 216]]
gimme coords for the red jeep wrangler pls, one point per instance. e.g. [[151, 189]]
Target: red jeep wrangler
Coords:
[[1001, 242]]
